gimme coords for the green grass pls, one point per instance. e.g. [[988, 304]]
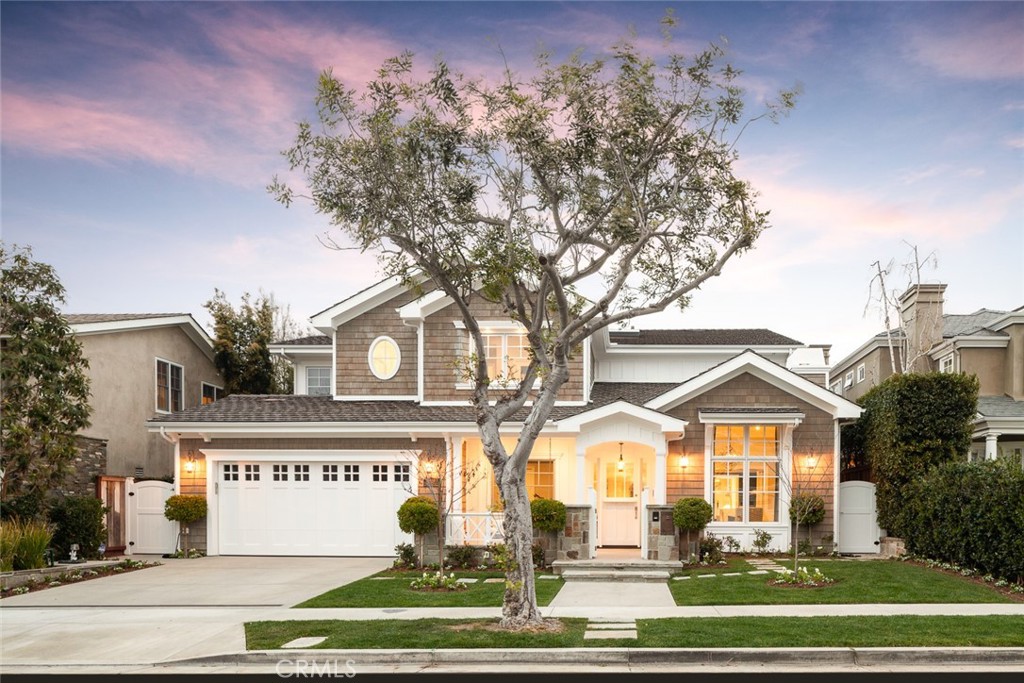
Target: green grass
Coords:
[[857, 581], [397, 593], [733, 564], [896, 631]]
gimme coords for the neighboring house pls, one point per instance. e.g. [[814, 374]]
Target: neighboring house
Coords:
[[986, 343], [742, 418]]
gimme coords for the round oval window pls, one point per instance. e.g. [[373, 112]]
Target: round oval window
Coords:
[[384, 358]]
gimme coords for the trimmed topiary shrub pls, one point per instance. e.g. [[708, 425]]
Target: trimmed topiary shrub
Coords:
[[806, 509], [912, 423], [78, 519], [969, 514], [691, 514], [185, 510], [548, 515], [419, 515]]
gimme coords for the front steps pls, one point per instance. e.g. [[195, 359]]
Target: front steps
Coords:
[[631, 570]]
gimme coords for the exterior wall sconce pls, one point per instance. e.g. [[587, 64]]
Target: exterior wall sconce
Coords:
[[430, 469], [190, 464], [684, 461], [621, 465], [810, 462]]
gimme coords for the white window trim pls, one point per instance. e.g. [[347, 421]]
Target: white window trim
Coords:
[[837, 387], [785, 470], [319, 367], [156, 387], [398, 353], [202, 387], [499, 327], [848, 380], [861, 373], [952, 363]]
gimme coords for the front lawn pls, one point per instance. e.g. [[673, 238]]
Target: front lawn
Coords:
[[732, 564], [394, 591], [896, 631], [857, 581]]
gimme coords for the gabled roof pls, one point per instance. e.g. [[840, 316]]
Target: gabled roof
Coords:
[[702, 337], [758, 366], [85, 324]]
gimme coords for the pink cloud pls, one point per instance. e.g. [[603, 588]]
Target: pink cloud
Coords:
[[978, 51]]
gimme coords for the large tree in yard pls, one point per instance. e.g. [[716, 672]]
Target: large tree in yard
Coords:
[[611, 175], [43, 380]]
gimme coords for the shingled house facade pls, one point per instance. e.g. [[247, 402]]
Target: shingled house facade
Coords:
[[742, 418]]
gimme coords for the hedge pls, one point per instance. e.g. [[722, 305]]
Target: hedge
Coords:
[[970, 514], [81, 520], [912, 423]]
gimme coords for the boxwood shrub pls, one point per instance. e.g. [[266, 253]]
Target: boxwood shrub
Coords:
[[970, 514], [78, 519], [548, 515]]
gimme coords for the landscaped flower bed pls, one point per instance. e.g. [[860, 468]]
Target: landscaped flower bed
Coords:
[[73, 575]]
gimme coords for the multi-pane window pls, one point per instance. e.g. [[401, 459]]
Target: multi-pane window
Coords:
[[848, 380], [540, 481], [230, 472], [301, 473], [330, 473], [745, 466], [252, 472], [170, 380], [351, 472], [508, 355], [861, 372], [211, 393], [380, 472], [401, 473], [280, 472], [946, 364], [318, 381]]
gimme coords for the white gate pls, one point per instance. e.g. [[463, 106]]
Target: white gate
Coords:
[[149, 532], [858, 518]]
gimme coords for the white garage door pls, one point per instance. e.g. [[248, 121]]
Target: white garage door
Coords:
[[311, 508]]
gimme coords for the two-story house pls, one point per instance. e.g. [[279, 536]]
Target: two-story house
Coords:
[[140, 365], [742, 418], [986, 343]]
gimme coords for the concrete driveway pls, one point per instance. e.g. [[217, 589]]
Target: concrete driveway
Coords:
[[182, 609]]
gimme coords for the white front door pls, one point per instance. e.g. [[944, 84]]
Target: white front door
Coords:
[[619, 515]]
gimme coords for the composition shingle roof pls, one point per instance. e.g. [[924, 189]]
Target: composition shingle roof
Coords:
[[723, 337], [86, 318], [1000, 406], [263, 408], [753, 410], [955, 325], [313, 340]]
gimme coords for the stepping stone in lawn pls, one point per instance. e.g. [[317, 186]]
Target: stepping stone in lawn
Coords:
[[681, 578], [609, 626], [497, 580], [304, 642], [466, 580], [381, 578], [608, 635], [546, 577], [759, 571], [705, 576], [731, 574]]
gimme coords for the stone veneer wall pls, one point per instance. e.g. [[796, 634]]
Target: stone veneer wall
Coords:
[[662, 541], [89, 464]]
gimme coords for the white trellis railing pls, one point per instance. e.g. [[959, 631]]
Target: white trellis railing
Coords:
[[475, 528]]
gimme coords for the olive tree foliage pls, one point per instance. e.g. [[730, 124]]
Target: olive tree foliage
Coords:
[[612, 174], [45, 382]]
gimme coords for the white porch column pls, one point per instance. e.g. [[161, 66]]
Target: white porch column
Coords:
[[661, 475], [581, 476], [991, 449], [454, 468]]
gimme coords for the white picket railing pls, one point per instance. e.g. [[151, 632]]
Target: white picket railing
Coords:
[[475, 528]]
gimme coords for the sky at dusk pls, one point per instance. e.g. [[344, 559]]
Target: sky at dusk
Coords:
[[137, 141]]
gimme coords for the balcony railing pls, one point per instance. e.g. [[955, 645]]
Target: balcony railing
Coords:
[[475, 528]]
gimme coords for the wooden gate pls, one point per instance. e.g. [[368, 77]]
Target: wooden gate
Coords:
[[149, 532], [112, 490]]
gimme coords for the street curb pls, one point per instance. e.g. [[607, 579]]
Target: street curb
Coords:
[[624, 655]]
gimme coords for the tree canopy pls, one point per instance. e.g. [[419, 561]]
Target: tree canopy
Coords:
[[608, 176], [45, 399], [242, 338]]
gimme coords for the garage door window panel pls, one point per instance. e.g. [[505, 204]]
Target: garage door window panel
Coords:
[[280, 472]]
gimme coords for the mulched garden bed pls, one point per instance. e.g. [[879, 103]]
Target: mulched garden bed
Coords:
[[75, 575]]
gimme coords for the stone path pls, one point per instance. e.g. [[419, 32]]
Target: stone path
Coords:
[[761, 566], [610, 630]]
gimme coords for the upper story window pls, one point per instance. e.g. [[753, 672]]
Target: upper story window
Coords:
[[745, 467], [848, 380], [210, 393], [170, 382], [384, 357], [837, 387], [507, 354], [318, 381], [861, 373], [946, 364]]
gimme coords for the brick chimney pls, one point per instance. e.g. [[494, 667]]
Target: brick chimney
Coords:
[[921, 313]]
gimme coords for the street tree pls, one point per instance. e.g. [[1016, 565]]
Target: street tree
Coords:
[[610, 176], [45, 397]]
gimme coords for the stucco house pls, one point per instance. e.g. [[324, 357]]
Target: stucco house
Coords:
[[987, 343], [140, 365], [742, 418]]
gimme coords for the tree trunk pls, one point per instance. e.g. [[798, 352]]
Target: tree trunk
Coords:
[[520, 606]]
